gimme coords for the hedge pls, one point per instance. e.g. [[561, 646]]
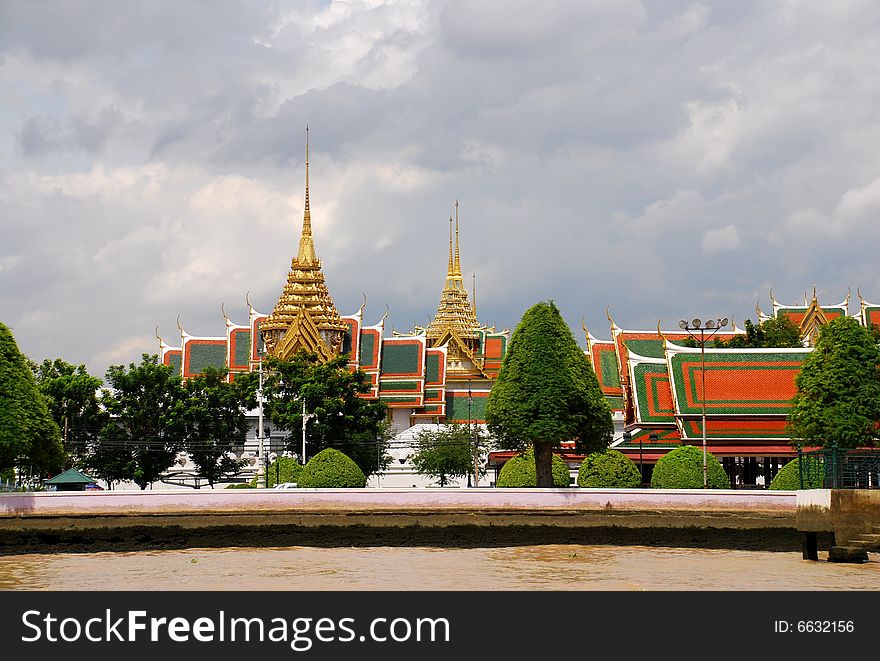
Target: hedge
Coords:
[[519, 471], [609, 470], [331, 468], [788, 477], [683, 469]]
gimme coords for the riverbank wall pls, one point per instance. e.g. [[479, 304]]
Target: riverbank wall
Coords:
[[99, 521]]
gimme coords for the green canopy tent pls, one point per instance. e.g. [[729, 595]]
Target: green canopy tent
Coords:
[[71, 480]]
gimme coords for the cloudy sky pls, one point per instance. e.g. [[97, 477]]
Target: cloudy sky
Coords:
[[667, 159]]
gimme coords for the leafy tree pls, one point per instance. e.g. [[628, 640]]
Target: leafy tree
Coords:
[[72, 397], [609, 470], [838, 389], [146, 403], [215, 423], [111, 455], [547, 393], [776, 332], [29, 438], [519, 472], [451, 451], [682, 468], [331, 468], [342, 419]]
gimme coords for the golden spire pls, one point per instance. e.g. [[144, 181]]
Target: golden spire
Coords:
[[457, 265], [450, 269], [306, 254], [305, 317], [455, 312]]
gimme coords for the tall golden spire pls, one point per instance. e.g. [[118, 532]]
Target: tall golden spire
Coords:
[[305, 317], [457, 264], [455, 312], [306, 253]]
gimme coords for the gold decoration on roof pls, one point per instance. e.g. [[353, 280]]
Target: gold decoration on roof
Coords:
[[455, 323], [455, 312], [305, 317]]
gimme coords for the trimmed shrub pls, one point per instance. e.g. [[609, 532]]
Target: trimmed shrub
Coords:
[[331, 468], [788, 477], [683, 469], [609, 470], [519, 471], [288, 469], [241, 485]]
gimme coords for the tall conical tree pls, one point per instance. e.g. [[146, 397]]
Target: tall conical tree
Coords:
[[29, 438], [838, 398], [547, 393]]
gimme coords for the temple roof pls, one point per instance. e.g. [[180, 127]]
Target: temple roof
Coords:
[[305, 307], [455, 314]]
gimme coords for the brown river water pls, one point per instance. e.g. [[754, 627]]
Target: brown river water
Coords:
[[548, 567]]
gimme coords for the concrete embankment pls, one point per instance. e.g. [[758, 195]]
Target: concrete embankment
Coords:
[[98, 521]]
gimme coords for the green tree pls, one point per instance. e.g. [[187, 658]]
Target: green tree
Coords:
[[450, 451], [547, 393], [215, 424], [338, 416], [111, 455], [838, 389], [776, 332], [29, 438], [72, 397], [146, 403]]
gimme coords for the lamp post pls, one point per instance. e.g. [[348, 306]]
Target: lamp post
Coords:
[[470, 402], [305, 418], [711, 327], [261, 467]]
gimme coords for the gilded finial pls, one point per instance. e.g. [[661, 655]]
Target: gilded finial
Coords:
[[660, 333], [457, 264], [247, 299], [773, 300], [861, 300], [306, 253], [363, 305], [608, 314], [450, 268], [814, 292], [474, 301], [157, 334], [384, 316]]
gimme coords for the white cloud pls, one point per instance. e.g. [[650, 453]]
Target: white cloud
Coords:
[[721, 239]]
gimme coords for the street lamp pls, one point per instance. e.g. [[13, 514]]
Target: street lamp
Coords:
[[470, 402], [305, 418], [711, 327], [261, 467]]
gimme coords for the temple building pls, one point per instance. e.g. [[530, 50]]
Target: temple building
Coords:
[[655, 385], [659, 388], [434, 374]]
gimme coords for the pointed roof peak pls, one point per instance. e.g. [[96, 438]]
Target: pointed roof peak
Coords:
[[306, 253]]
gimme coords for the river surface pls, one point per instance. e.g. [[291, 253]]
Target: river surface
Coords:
[[549, 567]]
